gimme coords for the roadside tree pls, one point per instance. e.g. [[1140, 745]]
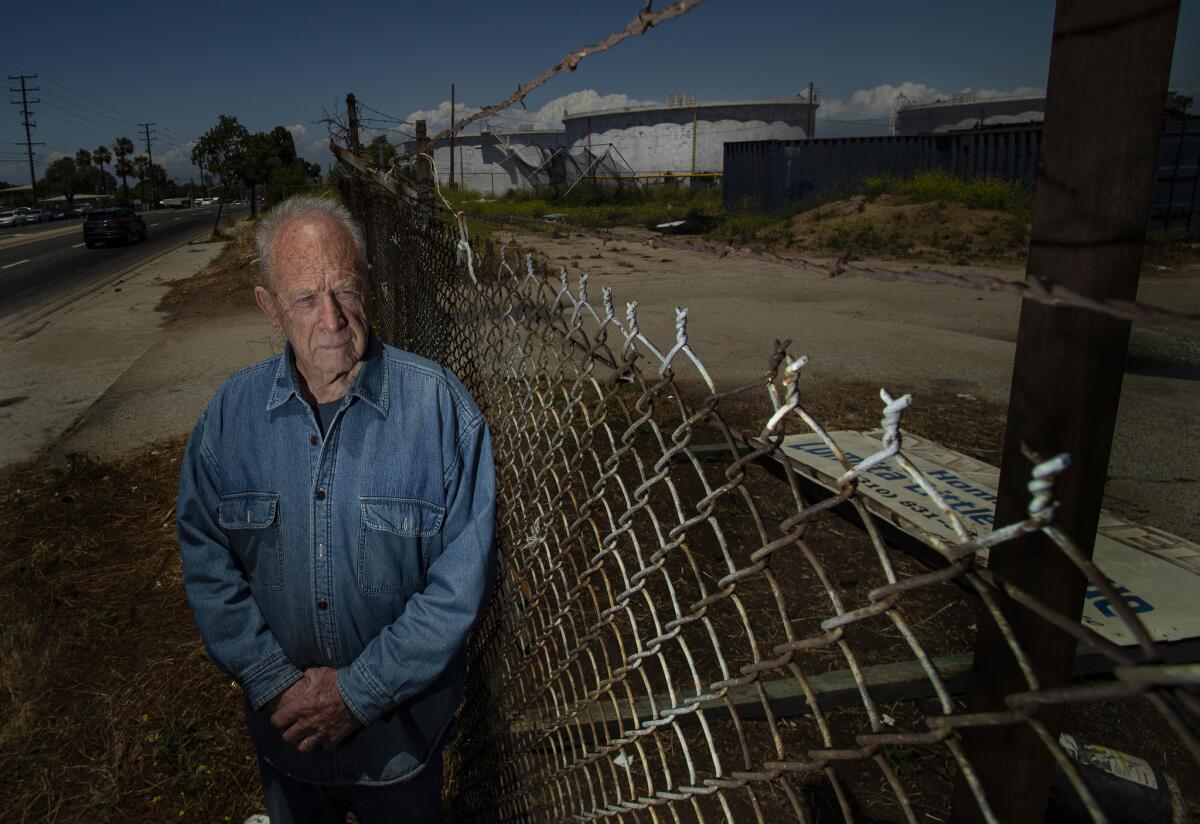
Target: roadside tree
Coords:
[[100, 156], [64, 177], [123, 148], [253, 159]]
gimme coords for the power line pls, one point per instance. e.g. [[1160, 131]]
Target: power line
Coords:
[[389, 117], [82, 112], [27, 123], [127, 118]]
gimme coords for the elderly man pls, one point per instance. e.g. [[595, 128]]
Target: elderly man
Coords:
[[335, 517]]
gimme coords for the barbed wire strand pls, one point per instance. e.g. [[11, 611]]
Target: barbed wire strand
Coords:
[[642, 22]]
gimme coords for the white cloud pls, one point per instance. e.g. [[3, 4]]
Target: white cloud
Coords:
[[548, 116], [298, 130]]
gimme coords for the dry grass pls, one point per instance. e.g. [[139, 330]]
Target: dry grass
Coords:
[[227, 282], [109, 704]]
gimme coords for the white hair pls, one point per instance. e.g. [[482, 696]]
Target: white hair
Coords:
[[298, 208]]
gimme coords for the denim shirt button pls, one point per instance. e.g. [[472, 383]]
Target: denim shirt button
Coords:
[[322, 604], [312, 439], [320, 494]]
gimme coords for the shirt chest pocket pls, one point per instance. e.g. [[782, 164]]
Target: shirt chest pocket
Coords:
[[251, 522], [397, 537]]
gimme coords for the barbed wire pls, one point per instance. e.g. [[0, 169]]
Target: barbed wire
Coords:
[[642, 22], [389, 118]]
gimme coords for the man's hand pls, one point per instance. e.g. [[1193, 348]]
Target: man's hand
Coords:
[[311, 712]]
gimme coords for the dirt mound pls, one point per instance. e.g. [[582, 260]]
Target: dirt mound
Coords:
[[888, 227]]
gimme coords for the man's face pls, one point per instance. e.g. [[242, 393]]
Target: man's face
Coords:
[[317, 297]]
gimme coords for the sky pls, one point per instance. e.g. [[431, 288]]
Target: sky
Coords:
[[103, 69]]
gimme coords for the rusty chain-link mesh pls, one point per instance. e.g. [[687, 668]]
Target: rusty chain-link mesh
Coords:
[[682, 631]]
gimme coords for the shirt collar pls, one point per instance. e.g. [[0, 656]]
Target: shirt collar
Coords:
[[370, 383]]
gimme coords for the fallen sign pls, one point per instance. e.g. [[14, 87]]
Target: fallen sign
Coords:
[[1143, 564]]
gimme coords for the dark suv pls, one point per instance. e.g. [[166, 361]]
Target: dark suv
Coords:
[[103, 225]]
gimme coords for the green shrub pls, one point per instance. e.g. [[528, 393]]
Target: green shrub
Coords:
[[977, 192]]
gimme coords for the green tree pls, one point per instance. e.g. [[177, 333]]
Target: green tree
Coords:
[[381, 151], [123, 148], [83, 170], [255, 159], [62, 178], [100, 156], [219, 150]]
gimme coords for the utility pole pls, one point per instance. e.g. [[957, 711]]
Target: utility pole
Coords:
[[352, 121], [451, 135], [812, 113], [25, 121], [150, 158], [692, 179], [424, 169]]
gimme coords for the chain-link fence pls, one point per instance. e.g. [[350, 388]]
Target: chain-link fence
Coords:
[[691, 625]]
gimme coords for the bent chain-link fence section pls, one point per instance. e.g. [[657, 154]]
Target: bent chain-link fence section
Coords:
[[682, 630]]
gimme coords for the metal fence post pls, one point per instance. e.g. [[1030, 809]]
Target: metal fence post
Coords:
[[1109, 66]]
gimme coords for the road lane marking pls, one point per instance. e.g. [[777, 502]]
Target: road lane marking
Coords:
[[18, 263], [77, 245], [153, 224], [176, 218]]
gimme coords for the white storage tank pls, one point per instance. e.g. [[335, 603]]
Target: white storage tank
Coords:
[[686, 136]]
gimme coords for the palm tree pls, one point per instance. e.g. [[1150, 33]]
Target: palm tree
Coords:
[[141, 168], [123, 148], [101, 156], [83, 162]]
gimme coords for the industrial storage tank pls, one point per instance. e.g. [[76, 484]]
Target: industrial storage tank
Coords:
[[685, 136], [492, 162], [966, 111]]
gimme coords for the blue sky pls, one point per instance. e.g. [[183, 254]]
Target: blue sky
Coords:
[[103, 68]]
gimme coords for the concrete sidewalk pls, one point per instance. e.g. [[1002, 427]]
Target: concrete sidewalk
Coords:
[[103, 372]]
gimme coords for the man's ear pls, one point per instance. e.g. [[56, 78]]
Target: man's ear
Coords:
[[267, 303]]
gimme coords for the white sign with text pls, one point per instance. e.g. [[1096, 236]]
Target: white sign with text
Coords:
[[1156, 573]]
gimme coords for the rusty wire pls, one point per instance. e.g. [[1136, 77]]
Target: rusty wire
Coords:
[[679, 634], [641, 23]]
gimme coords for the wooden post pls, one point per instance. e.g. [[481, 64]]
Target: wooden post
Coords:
[[451, 136], [1109, 66], [352, 121], [424, 169]]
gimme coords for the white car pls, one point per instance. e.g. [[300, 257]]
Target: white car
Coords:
[[11, 219]]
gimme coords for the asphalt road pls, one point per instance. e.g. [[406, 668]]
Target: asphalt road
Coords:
[[38, 270]]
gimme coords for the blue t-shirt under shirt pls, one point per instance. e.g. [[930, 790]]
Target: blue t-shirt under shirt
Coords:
[[325, 413]]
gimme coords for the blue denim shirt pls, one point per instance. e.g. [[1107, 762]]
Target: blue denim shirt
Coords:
[[368, 550]]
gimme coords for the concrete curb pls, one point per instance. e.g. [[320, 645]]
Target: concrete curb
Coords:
[[21, 322]]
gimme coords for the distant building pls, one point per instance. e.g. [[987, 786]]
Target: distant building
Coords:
[[966, 111], [677, 139]]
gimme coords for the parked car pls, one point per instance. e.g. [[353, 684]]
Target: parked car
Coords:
[[59, 213], [10, 219], [119, 224], [29, 215]]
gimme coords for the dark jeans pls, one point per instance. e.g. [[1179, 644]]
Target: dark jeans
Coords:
[[290, 801]]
